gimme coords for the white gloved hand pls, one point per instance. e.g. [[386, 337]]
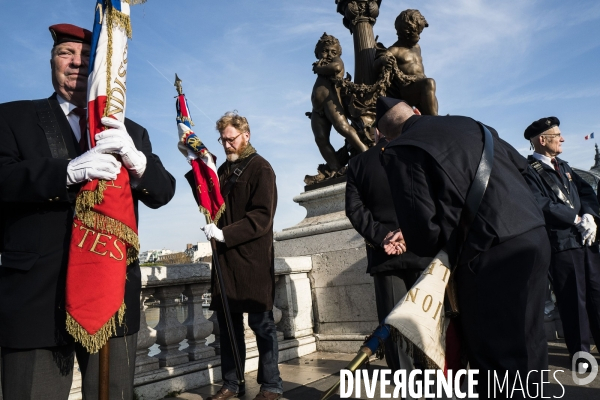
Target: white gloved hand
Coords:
[[118, 141], [182, 129], [588, 228], [211, 231], [92, 165]]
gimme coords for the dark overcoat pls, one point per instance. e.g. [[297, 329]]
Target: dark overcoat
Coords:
[[430, 168], [37, 212], [370, 209], [560, 218], [247, 257]]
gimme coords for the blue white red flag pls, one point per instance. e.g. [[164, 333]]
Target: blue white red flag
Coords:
[[104, 236], [208, 191], [590, 136]]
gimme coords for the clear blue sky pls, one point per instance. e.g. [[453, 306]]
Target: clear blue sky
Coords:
[[505, 63]]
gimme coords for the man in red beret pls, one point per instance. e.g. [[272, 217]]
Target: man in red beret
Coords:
[[43, 161], [571, 209]]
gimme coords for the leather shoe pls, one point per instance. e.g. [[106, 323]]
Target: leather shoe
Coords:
[[264, 395], [224, 394]]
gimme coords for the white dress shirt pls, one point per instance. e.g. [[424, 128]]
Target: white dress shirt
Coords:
[[71, 116], [544, 159]]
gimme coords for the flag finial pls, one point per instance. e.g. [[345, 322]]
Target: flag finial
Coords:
[[178, 84]]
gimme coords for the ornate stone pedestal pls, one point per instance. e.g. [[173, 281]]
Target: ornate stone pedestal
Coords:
[[342, 293]]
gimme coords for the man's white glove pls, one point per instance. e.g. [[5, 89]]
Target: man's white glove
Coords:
[[92, 165], [588, 228], [211, 231], [117, 140], [182, 129]]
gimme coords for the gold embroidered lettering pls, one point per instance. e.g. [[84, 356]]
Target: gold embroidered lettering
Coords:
[[80, 245], [113, 185], [446, 274], [118, 248], [97, 241], [427, 300], [437, 310], [412, 294]]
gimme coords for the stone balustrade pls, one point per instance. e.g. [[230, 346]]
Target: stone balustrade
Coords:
[[184, 360]]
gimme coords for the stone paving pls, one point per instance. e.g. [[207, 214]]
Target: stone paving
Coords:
[[306, 378]]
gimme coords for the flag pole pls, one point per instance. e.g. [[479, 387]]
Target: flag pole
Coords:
[[219, 276], [103, 371]]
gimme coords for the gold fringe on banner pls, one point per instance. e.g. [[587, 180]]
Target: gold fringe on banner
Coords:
[[93, 343], [133, 2], [207, 214]]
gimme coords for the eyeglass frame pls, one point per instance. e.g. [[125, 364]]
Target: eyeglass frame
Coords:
[[230, 141]]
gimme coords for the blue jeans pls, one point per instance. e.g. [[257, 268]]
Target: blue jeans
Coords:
[[263, 326]]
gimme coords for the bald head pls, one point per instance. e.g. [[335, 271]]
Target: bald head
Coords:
[[390, 125]]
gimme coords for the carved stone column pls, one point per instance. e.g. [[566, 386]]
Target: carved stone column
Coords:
[[169, 331], [359, 18], [146, 338], [198, 328]]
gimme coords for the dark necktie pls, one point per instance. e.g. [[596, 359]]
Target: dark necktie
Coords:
[[82, 114], [555, 163]]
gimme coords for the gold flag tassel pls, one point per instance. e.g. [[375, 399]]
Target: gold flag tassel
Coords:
[[93, 343]]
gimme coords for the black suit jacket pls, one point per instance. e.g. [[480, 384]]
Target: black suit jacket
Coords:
[[370, 209], [430, 168], [37, 213]]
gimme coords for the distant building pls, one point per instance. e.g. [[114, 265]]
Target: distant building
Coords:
[[199, 252], [152, 256], [593, 175], [174, 258]]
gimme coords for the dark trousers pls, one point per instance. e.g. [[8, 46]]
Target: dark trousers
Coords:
[[576, 280], [501, 296], [263, 326], [47, 373], [390, 287]]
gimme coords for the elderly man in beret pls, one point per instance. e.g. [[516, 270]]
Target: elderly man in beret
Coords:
[[44, 158], [500, 276], [571, 209]]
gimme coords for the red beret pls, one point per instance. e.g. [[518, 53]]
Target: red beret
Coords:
[[70, 33]]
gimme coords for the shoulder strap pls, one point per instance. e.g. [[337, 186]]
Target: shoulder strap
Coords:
[[50, 126], [537, 166], [474, 195], [237, 172]]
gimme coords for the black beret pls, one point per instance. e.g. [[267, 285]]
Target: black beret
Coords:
[[62, 33], [540, 126], [384, 104]]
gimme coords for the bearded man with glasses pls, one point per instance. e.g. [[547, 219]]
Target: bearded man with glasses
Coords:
[[244, 235], [570, 209]]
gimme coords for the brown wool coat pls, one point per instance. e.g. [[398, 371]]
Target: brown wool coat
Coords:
[[247, 257]]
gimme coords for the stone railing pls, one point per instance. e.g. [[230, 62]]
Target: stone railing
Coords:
[[184, 360]]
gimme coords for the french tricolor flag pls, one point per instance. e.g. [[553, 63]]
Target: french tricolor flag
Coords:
[[590, 136]]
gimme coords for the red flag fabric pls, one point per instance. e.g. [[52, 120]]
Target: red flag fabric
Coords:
[[210, 201], [104, 233]]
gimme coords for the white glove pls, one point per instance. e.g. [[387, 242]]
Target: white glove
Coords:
[[211, 231], [117, 140], [182, 129], [588, 228], [92, 165]]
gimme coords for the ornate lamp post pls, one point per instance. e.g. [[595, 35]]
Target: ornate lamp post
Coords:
[[359, 18]]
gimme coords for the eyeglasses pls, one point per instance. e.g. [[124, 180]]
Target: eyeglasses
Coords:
[[230, 140], [553, 134]]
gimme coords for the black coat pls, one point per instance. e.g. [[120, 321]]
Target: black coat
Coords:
[[247, 257], [370, 209], [560, 218], [37, 213], [430, 168]]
